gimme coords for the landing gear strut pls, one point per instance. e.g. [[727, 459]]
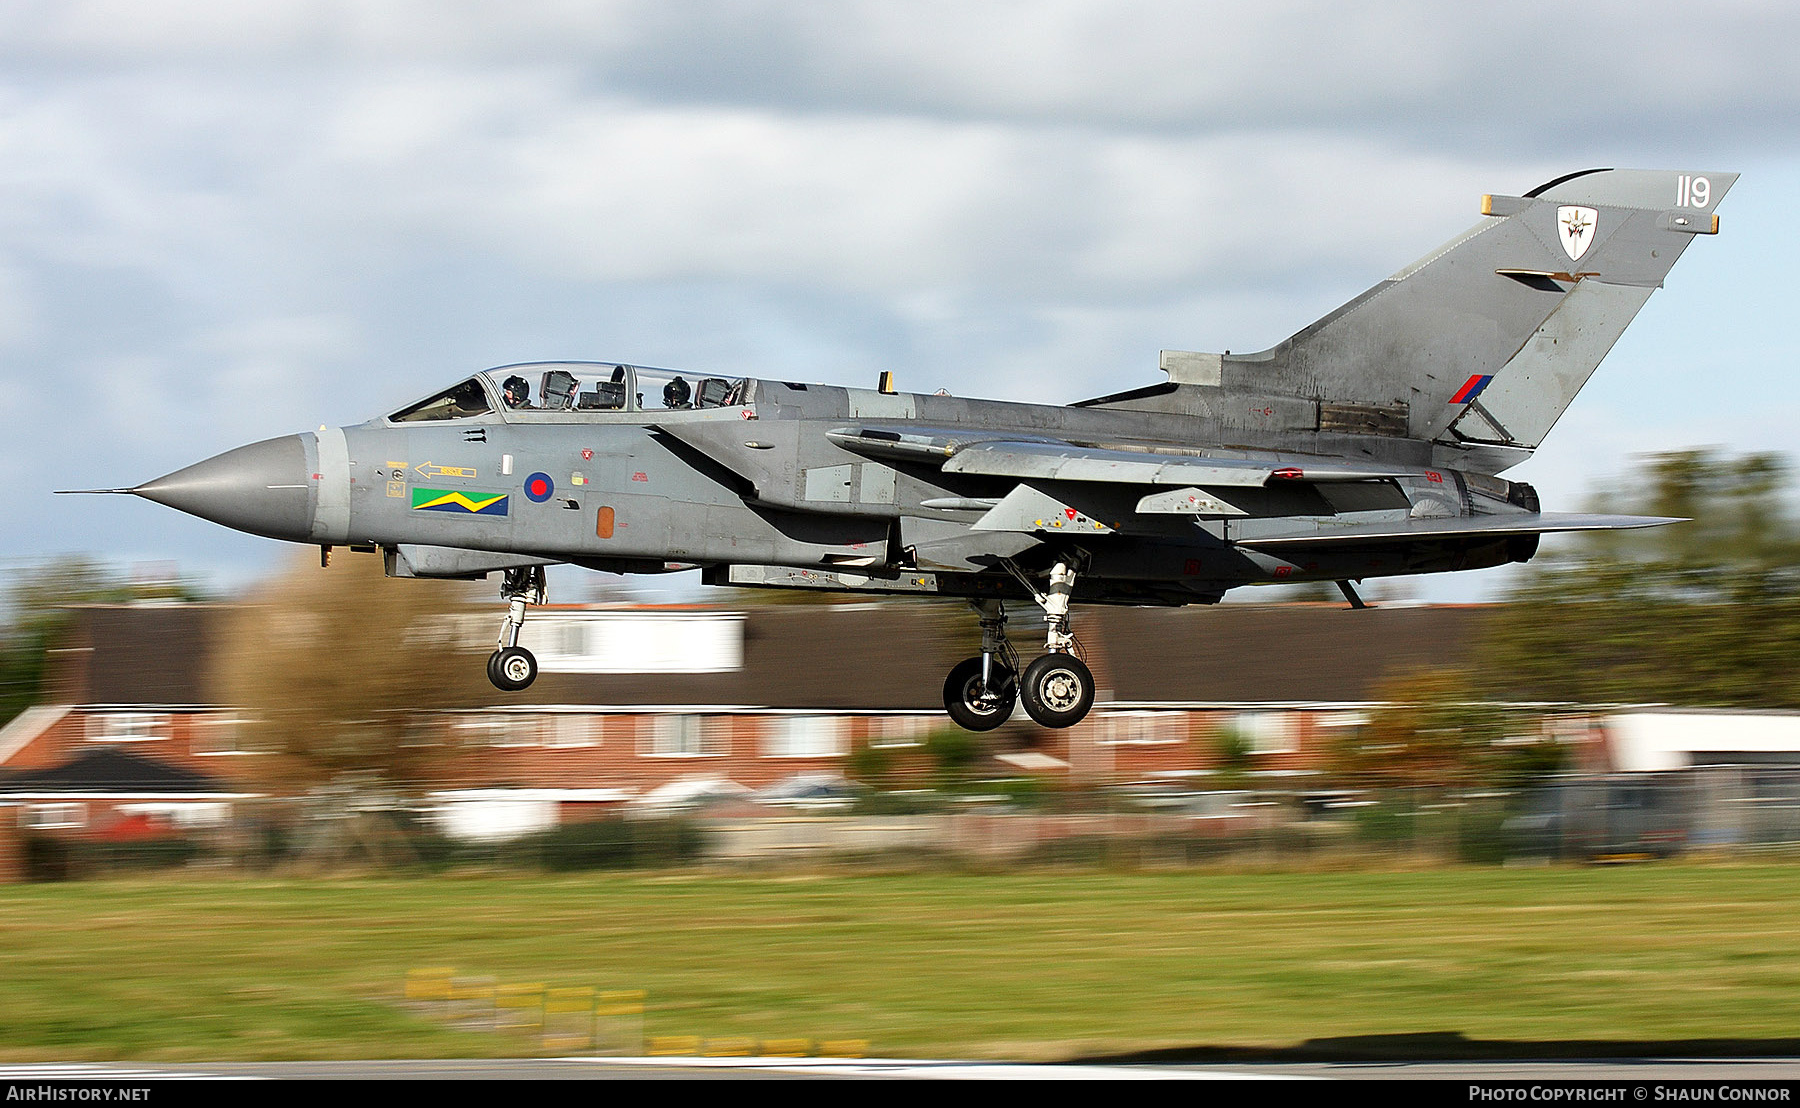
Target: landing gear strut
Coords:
[[511, 667], [1058, 688], [980, 692]]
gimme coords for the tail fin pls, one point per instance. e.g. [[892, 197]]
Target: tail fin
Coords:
[[1487, 339]]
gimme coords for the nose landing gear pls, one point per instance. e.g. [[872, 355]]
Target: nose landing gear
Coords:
[[1057, 688], [511, 667]]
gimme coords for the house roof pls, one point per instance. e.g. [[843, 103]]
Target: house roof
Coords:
[[156, 655], [888, 656], [1245, 653], [113, 771]]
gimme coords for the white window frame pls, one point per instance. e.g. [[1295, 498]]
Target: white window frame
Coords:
[[127, 727], [1269, 732], [804, 736], [683, 735], [500, 730], [899, 732], [49, 817], [1143, 728], [570, 730]]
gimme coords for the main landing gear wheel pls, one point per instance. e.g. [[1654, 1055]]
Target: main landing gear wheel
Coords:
[[512, 668], [1058, 690], [972, 704]]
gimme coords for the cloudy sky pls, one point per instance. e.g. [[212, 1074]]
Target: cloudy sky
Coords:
[[221, 222]]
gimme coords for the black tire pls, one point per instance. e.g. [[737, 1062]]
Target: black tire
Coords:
[[512, 669], [970, 704], [1058, 690]]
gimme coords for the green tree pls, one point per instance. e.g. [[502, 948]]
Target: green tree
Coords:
[[1703, 613], [954, 753], [39, 604], [1232, 759], [871, 765], [1439, 761], [1432, 731]]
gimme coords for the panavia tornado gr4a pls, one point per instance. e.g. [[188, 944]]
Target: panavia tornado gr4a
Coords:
[[1367, 445]]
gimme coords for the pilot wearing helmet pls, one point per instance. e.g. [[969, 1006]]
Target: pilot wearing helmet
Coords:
[[516, 391]]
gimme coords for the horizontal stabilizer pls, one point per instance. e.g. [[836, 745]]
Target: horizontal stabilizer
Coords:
[[1461, 527]]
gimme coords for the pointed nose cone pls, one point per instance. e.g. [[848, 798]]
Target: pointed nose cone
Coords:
[[262, 488]]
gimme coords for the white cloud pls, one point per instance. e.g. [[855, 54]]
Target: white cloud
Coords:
[[264, 371], [236, 220], [614, 191], [19, 321], [1421, 72]]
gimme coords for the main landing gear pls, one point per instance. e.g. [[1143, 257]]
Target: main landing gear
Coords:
[[1057, 688], [511, 667], [980, 692]]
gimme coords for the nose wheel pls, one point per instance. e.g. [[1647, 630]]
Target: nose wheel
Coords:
[[511, 667]]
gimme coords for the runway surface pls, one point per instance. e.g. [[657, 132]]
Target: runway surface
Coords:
[[1637, 1071]]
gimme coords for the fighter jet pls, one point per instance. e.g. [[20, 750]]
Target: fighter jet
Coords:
[[1369, 444]]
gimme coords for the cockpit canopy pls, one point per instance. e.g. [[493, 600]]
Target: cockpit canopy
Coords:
[[576, 387], [456, 402]]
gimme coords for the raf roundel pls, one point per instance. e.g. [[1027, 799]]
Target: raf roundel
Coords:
[[539, 487]]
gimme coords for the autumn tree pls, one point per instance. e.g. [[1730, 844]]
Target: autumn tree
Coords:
[[331, 666]]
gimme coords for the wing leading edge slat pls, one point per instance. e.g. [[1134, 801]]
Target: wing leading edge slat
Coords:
[[1049, 461]]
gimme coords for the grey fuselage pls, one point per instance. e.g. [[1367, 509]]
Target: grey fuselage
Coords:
[[760, 483]]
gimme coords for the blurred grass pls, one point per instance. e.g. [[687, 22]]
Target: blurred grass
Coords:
[[1030, 966]]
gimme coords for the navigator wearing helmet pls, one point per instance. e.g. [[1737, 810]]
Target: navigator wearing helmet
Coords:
[[517, 392]]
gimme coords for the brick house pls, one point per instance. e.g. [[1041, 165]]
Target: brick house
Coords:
[[633, 701], [129, 730], [115, 794]]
